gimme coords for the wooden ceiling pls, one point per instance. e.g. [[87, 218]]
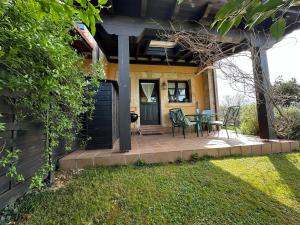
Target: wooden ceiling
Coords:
[[130, 14]]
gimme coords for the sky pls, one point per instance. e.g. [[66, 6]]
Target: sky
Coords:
[[283, 60]]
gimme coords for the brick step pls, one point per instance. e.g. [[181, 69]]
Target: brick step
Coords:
[[152, 129]]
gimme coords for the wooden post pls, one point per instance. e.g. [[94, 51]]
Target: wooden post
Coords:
[[95, 55], [262, 79], [213, 101], [124, 93], [216, 93]]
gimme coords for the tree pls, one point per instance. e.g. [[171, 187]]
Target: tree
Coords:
[[287, 92], [250, 13], [208, 51], [38, 64], [237, 99]]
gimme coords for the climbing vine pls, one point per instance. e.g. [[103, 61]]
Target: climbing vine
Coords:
[[38, 62], [10, 159]]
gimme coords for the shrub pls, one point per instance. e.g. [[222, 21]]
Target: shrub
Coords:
[[248, 118], [140, 163], [291, 128], [38, 62], [194, 157]]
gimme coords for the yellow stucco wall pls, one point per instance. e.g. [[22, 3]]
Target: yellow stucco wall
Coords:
[[164, 74]]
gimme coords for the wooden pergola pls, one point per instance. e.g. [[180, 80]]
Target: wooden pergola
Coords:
[[128, 28]]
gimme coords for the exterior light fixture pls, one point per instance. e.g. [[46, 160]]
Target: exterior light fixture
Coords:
[[164, 85]]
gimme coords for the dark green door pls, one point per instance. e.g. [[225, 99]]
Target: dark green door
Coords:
[[149, 102]]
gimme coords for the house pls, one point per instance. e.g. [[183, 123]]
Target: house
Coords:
[[148, 75]]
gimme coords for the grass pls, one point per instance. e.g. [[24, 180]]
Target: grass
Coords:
[[249, 190]]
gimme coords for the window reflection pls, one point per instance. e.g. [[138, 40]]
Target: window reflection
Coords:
[[178, 91]]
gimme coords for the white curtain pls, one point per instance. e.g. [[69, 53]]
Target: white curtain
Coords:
[[172, 91], [148, 90]]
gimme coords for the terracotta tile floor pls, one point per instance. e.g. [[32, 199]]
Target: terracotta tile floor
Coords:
[[166, 148], [166, 142]]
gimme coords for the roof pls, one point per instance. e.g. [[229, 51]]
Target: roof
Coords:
[[142, 20], [86, 43]]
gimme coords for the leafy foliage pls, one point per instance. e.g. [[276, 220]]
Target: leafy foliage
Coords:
[[2, 125], [292, 131], [9, 160], [248, 118], [288, 92], [39, 63], [249, 122], [253, 13], [66, 10], [278, 27]]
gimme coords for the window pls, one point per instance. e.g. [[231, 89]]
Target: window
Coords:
[[161, 44], [178, 91]]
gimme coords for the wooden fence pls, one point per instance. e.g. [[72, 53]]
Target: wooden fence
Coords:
[[27, 136]]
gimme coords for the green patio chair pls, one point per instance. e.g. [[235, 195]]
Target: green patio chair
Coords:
[[206, 119], [180, 120], [230, 119]]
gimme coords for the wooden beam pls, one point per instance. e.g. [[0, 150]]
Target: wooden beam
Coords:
[[176, 10], [207, 9], [262, 84], [90, 41], [124, 93], [143, 41], [137, 52], [178, 52], [130, 26], [186, 55], [203, 13], [199, 72], [143, 8], [156, 62], [163, 58]]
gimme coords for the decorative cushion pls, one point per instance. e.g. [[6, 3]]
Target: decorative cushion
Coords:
[[188, 122]]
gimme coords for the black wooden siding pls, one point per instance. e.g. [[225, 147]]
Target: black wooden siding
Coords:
[[27, 136], [102, 129]]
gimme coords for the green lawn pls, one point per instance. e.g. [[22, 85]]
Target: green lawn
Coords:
[[250, 190]]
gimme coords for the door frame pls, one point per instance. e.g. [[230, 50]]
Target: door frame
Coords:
[[157, 82]]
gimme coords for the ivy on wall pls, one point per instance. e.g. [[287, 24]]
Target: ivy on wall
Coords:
[[37, 61]]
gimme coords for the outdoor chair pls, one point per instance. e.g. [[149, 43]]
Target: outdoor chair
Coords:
[[180, 120], [206, 119], [230, 119]]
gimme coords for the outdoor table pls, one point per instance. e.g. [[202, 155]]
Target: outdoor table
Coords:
[[198, 120]]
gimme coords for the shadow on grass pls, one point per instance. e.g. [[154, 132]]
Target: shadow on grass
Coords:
[[227, 199], [288, 172], [198, 193]]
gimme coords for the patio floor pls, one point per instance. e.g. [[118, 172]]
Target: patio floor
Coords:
[[166, 148]]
